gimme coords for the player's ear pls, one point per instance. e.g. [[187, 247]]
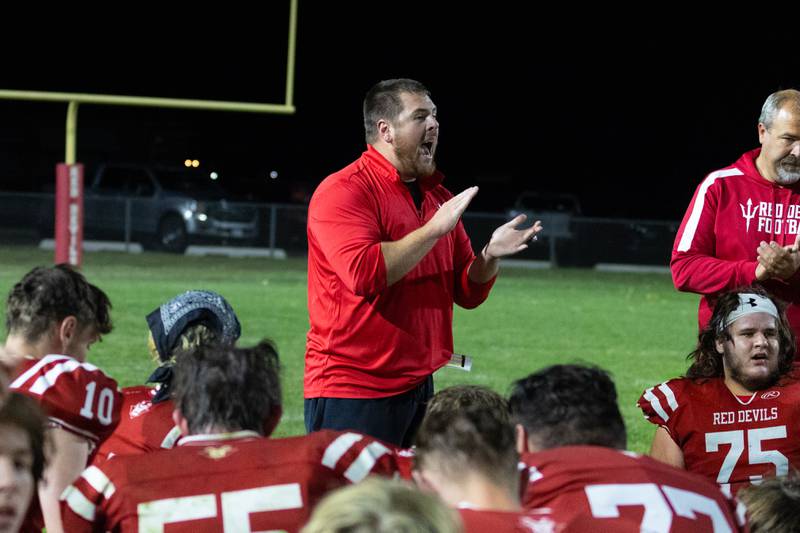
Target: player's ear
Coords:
[[522, 439], [67, 330], [180, 422], [719, 345]]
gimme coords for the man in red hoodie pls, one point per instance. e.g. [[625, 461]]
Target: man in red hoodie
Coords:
[[743, 224]]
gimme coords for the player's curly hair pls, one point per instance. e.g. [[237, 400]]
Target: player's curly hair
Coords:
[[47, 295], [707, 361]]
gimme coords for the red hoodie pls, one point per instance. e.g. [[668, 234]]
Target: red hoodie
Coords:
[[732, 211]]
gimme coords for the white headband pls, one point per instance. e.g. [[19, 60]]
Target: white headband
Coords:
[[750, 303]]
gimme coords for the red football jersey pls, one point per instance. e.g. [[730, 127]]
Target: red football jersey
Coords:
[[143, 426], [725, 438], [533, 521], [623, 491], [235, 482], [76, 396]]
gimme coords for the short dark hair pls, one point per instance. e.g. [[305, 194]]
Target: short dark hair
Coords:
[[383, 102], [568, 405], [707, 361], [476, 438], [774, 505], [47, 295], [225, 388], [24, 413], [455, 399]]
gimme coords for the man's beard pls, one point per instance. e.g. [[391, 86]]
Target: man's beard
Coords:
[[750, 383], [411, 164], [788, 170]]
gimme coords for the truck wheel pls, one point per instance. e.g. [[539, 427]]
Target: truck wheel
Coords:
[[172, 235]]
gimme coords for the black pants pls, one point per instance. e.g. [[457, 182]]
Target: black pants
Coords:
[[393, 419]]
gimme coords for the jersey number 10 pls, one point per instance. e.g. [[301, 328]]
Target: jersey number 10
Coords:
[[105, 404]]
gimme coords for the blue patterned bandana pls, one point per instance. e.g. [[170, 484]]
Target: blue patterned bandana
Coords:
[[169, 321]]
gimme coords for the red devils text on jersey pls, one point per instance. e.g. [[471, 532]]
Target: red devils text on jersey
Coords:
[[76, 396], [237, 482], [728, 439], [603, 489]]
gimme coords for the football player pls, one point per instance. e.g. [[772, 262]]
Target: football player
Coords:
[[734, 418], [188, 320], [53, 317], [571, 435], [223, 475], [468, 456]]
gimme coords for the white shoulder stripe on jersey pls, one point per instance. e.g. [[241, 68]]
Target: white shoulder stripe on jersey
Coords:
[[338, 448], [697, 209], [28, 374], [42, 383], [362, 466], [656, 404], [669, 395], [171, 438], [49, 378], [98, 480], [79, 504]]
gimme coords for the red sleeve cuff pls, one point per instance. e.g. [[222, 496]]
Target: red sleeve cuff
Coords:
[[470, 294]]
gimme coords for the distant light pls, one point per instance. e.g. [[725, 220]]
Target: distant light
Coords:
[[202, 217], [273, 174], [187, 162], [213, 175], [195, 163]]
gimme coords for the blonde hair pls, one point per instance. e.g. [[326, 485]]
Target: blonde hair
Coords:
[[774, 505], [379, 505], [192, 337]]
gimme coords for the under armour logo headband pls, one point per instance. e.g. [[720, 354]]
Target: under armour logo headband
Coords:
[[750, 303]]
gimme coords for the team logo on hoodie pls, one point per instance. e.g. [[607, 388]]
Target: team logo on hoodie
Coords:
[[772, 218], [749, 213]]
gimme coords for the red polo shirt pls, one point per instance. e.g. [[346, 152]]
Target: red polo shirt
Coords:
[[368, 340]]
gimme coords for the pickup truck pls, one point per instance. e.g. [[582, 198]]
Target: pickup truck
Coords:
[[163, 208]]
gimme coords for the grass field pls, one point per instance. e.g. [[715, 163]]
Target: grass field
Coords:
[[635, 325]]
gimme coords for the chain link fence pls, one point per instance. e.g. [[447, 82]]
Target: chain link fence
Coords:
[[27, 218]]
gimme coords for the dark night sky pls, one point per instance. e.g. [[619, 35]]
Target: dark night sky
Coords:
[[628, 117]]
